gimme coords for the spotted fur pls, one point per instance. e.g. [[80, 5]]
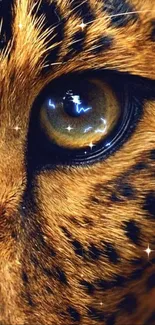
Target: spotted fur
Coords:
[[72, 239]]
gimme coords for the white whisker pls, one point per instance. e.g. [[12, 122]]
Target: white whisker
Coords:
[[131, 12], [120, 14], [78, 5], [51, 64]]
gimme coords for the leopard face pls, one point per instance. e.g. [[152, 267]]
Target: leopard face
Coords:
[[77, 209]]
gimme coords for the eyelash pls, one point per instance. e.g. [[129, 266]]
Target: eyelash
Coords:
[[41, 156]]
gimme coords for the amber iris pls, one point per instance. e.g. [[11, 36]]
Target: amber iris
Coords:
[[80, 114]]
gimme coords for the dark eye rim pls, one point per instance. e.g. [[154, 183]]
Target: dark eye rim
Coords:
[[132, 111]]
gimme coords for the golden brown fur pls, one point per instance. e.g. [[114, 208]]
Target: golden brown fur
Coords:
[[73, 203]]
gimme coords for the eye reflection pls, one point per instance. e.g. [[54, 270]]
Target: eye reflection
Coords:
[[80, 116], [51, 104], [78, 108], [88, 129], [72, 104], [103, 130]]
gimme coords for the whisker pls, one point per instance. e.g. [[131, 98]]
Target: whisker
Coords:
[[121, 14], [51, 64], [78, 5], [36, 6], [51, 30], [1, 25], [132, 12]]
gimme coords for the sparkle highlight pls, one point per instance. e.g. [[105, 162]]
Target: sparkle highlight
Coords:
[[91, 145], [82, 25], [148, 251], [69, 128]]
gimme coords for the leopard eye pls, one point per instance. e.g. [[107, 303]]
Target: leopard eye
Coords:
[[82, 118], [80, 115]]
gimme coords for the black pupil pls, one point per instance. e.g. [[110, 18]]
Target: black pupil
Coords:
[[73, 105]]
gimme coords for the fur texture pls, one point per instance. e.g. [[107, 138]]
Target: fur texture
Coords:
[[72, 239]]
